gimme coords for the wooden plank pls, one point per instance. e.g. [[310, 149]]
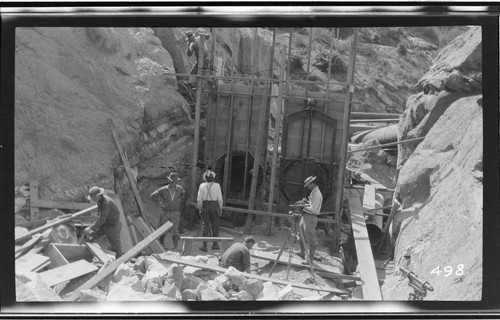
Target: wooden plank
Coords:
[[55, 223], [67, 272], [49, 204], [296, 262], [98, 252], [126, 165], [231, 231], [249, 275], [207, 238], [272, 214], [369, 197], [34, 212], [30, 262], [145, 231], [57, 259], [126, 239], [126, 257], [43, 265], [133, 234], [27, 246], [339, 188], [366, 264]]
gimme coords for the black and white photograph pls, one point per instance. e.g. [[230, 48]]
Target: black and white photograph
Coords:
[[204, 162]]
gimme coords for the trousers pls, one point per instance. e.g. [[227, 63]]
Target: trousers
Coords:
[[210, 218]]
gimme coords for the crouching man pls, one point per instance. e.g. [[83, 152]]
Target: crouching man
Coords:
[[238, 255], [108, 222]]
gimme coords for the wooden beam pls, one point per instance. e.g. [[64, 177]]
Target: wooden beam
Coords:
[[277, 128], [145, 231], [31, 262], [126, 257], [197, 115], [374, 115], [98, 252], [372, 120], [27, 246], [126, 165], [49, 204], [126, 239], [387, 144], [366, 264], [207, 238], [34, 212], [55, 223], [344, 141], [271, 214], [231, 231], [249, 275], [369, 197], [67, 272]]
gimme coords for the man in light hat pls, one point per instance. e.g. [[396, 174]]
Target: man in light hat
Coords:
[[194, 48], [209, 201], [108, 222], [309, 218], [170, 198]]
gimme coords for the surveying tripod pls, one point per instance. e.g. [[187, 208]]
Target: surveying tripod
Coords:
[[295, 232]]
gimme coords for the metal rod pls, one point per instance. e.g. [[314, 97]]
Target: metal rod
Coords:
[[387, 144], [372, 120], [323, 126]]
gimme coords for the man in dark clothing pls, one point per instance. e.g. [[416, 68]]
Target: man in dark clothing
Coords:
[[194, 48], [209, 201], [171, 199], [238, 255], [108, 222]]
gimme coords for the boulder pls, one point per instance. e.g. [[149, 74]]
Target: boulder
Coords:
[[171, 290], [224, 281], [252, 286], [156, 272], [237, 278], [190, 282], [133, 282], [120, 292], [288, 293], [175, 274], [244, 296], [189, 294], [269, 292], [123, 270], [91, 295], [209, 293], [140, 264], [30, 287]]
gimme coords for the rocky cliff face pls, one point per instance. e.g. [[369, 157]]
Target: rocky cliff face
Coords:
[[69, 82], [440, 181]]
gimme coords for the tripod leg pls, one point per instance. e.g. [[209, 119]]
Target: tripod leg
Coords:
[[279, 254], [302, 239], [290, 253]]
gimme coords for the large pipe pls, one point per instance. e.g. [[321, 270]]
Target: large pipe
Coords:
[[372, 115], [384, 135], [374, 222]]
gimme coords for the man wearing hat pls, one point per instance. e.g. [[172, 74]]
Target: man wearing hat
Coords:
[[194, 47], [108, 222], [170, 198], [309, 218], [209, 201]]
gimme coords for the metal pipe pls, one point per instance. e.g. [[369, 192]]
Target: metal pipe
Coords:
[[387, 144]]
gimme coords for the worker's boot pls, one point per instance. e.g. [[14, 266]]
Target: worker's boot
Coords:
[[204, 248], [215, 246], [175, 240], [302, 251]]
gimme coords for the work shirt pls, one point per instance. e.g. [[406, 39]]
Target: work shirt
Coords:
[[108, 213], [315, 202], [170, 201], [209, 191], [237, 256]]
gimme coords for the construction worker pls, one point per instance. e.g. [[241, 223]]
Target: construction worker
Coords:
[[194, 48], [170, 198], [238, 255], [108, 222], [209, 201], [309, 218]]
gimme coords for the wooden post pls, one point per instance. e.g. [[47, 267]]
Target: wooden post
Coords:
[[34, 212], [126, 165], [126, 257], [343, 144], [258, 150], [229, 147], [277, 128], [199, 89]]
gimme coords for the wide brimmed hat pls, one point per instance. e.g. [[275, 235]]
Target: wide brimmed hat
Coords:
[[173, 177], [189, 34], [95, 191], [206, 173], [309, 180]]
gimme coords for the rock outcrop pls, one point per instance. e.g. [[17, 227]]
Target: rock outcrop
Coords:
[[440, 180]]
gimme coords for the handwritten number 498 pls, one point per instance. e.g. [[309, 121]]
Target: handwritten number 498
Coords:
[[448, 270]]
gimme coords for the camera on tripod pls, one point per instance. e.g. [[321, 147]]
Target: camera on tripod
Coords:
[[298, 207]]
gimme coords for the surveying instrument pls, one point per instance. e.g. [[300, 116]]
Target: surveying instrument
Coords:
[[295, 232], [419, 286]]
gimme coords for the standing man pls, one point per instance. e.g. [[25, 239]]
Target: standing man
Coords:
[[238, 255], [108, 222], [170, 198], [194, 48], [309, 218], [209, 201]]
